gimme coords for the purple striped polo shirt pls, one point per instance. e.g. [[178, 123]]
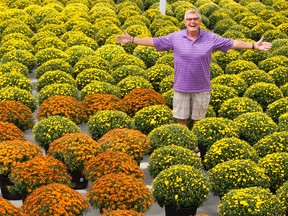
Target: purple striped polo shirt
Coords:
[[192, 59]]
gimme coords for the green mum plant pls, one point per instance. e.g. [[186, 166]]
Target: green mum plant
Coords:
[[158, 23], [129, 83], [258, 30], [148, 54], [53, 77], [123, 14], [127, 59], [131, 141], [240, 65], [236, 106], [172, 134], [229, 149], [166, 84], [284, 89], [100, 88], [280, 75], [282, 192], [109, 51], [124, 71], [223, 59], [91, 61], [280, 51], [78, 38], [219, 94], [52, 41], [47, 54], [157, 73], [151, 117], [76, 52], [66, 106], [250, 201], [14, 66], [254, 76], [103, 121], [209, 130], [51, 128], [17, 113], [222, 25], [103, 34], [272, 143], [283, 122], [275, 166], [277, 108], [89, 75], [166, 58], [15, 79], [273, 62], [20, 95], [271, 35], [139, 98], [254, 125], [215, 70], [14, 44], [263, 93], [168, 96], [180, 186], [254, 56], [63, 89], [231, 80], [22, 56], [111, 162], [59, 30], [17, 27], [41, 35], [250, 21], [102, 193], [74, 150], [15, 36], [167, 156], [218, 15], [236, 174], [54, 65]]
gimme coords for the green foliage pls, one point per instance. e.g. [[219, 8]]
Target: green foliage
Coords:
[[166, 84], [180, 186], [151, 117], [236, 174], [109, 51], [64, 89], [211, 129], [99, 87], [15, 79], [54, 65], [280, 75], [263, 93], [231, 80], [223, 59], [91, 74], [221, 93], [147, 54], [236, 106], [254, 125], [103, 121], [272, 143], [237, 66], [14, 67], [74, 38], [250, 201], [53, 77], [126, 59], [276, 167], [129, 83], [76, 52], [229, 149], [52, 42], [277, 108], [20, 95], [47, 54], [254, 76], [51, 128], [172, 134], [258, 30]]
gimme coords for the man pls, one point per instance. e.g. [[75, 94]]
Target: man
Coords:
[[192, 49]]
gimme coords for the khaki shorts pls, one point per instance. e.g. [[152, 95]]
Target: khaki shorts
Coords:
[[194, 105]]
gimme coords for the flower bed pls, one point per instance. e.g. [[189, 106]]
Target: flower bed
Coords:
[[9, 131], [8, 209]]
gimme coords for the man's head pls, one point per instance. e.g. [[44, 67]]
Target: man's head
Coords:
[[192, 20]]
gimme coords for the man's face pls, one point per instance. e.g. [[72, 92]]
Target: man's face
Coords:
[[192, 22]]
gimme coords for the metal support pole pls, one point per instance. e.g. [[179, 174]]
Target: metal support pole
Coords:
[[163, 6]]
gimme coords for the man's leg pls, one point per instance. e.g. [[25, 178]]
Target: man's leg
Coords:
[[182, 107], [183, 122]]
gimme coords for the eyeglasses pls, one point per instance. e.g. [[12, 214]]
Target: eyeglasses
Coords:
[[194, 19]]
